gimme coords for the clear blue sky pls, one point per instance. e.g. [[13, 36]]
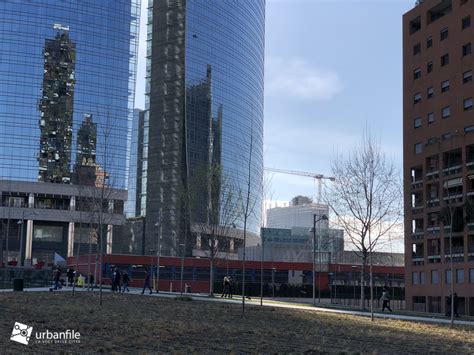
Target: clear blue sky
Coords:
[[331, 68]]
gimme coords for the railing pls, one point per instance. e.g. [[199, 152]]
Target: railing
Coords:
[[432, 175], [416, 184], [432, 203], [433, 230], [452, 170]]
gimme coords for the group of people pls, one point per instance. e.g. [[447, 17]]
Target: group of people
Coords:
[[120, 279], [71, 279], [227, 287]]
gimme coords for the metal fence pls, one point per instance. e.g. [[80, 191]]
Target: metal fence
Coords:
[[31, 277]]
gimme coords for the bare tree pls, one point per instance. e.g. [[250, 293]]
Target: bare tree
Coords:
[[365, 199], [247, 208], [220, 213]]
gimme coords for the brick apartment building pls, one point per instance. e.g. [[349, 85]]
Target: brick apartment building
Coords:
[[438, 132]]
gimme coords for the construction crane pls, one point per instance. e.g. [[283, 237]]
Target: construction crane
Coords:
[[318, 177]]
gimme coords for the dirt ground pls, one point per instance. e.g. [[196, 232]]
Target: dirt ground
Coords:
[[139, 324]]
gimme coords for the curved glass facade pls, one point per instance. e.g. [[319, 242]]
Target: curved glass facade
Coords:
[[205, 71], [67, 77], [225, 58]]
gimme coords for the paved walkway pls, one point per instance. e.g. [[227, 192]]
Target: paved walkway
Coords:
[[269, 303]]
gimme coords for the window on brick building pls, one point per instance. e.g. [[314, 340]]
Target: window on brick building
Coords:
[[445, 60], [443, 34], [445, 86]]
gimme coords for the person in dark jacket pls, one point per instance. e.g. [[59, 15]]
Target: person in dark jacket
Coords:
[[56, 278], [117, 275], [91, 282], [113, 271], [455, 304], [147, 283], [70, 276], [125, 280]]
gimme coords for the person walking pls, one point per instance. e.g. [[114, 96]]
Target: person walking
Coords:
[[147, 283], [117, 280], [114, 286], [455, 304], [125, 281], [231, 284], [70, 276], [91, 282], [56, 278], [225, 286], [386, 301]]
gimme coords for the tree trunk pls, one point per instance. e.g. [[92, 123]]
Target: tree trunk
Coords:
[[211, 278]]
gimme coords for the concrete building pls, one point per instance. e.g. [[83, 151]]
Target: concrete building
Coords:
[[296, 245], [203, 108], [438, 132], [66, 100], [297, 215]]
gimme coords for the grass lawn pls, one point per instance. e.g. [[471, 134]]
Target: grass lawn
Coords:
[[140, 324]]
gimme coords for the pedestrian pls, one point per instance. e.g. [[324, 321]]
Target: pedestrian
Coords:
[[91, 282], [113, 271], [147, 283], [455, 304], [225, 287], [117, 280], [70, 276], [56, 278], [231, 284], [68, 271], [125, 280], [386, 301]]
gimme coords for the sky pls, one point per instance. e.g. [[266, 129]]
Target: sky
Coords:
[[332, 68]]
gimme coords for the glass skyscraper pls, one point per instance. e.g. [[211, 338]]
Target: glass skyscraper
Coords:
[[205, 78], [67, 79]]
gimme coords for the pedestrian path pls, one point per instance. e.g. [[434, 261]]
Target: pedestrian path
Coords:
[[267, 303]]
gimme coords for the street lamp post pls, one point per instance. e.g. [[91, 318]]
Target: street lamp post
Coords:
[[182, 268], [315, 220], [151, 266], [158, 253], [21, 222]]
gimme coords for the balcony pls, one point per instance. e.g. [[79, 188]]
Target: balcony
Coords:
[[432, 203], [417, 184], [433, 230], [434, 259], [453, 170], [418, 261], [434, 174]]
